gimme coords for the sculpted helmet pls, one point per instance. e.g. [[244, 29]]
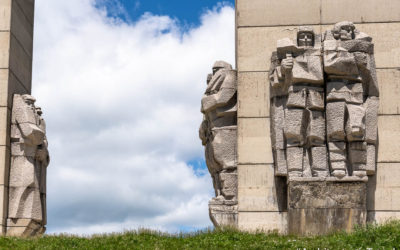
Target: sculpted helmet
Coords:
[[338, 26], [222, 65]]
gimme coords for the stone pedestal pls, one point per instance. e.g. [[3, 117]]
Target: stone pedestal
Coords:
[[318, 206], [223, 213]]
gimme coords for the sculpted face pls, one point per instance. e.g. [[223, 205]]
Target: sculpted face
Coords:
[[305, 39], [346, 32]]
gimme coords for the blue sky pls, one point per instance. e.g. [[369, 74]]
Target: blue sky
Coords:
[[186, 11], [120, 89]]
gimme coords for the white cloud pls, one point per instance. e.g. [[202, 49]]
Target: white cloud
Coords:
[[122, 104]]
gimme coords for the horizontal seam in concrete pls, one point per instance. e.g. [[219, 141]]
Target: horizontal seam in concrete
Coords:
[[256, 163], [9, 31], [388, 114], [256, 211], [253, 117], [388, 162], [389, 211], [23, 12], [255, 71], [257, 117], [326, 208], [266, 71], [314, 24]]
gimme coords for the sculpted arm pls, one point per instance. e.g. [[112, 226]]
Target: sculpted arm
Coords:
[[223, 96], [32, 132]]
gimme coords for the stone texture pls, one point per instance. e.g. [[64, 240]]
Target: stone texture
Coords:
[[4, 126], [223, 213], [5, 15], [255, 45], [389, 132], [29, 161], [387, 51], [389, 89], [384, 188], [28, 8], [360, 11], [3, 202], [381, 217], [320, 207], [218, 133], [263, 221], [254, 141], [259, 189], [20, 63], [4, 161], [4, 49], [22, 28], [272, 13], [253, 100]]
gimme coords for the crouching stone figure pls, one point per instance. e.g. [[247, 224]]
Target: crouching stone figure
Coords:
[[218, 133], [29, 160]]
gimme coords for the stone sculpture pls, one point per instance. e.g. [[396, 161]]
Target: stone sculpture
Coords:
[[299, 114], [352, 98], [298, 120], [324, 112], [29, 161], [218, 133]]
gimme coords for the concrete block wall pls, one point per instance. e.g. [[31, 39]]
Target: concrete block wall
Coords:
[[16, 45], [259, 24]]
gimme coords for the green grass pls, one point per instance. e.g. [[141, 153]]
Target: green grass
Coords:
[[375, 237]]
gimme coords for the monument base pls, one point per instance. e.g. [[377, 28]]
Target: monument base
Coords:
[[318, 206], [223, 213]]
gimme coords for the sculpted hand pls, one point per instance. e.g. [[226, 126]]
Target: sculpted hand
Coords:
[[287, 63]]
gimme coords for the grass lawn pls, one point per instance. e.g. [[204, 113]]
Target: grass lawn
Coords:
[[370, 237]]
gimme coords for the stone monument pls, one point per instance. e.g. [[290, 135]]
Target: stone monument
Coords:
[[218, 133], [23, 145], [309, 158], [29, 161], [324, 197]]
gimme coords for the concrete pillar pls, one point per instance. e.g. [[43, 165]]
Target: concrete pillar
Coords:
[[16, 45]]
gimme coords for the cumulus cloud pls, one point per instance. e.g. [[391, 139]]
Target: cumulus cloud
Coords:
[[121, 101]]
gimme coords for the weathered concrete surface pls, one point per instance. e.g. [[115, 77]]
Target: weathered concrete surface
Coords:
[[223, 213], [320, 207]]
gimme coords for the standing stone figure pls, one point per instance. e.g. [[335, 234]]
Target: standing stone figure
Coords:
[[218, 133], [297, 106], [29, 160], [352, 99]]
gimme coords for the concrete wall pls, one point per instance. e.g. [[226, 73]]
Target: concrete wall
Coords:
[[259, 24], [16, 45]]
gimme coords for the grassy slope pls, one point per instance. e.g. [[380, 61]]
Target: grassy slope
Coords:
[[382, 237]]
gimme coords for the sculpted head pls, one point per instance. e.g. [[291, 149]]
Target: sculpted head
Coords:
[[30, 100], [344, 31], [305, 36], [218, 65]]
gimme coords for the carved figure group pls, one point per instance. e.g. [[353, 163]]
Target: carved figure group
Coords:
[[29, 161], [324, 104]]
